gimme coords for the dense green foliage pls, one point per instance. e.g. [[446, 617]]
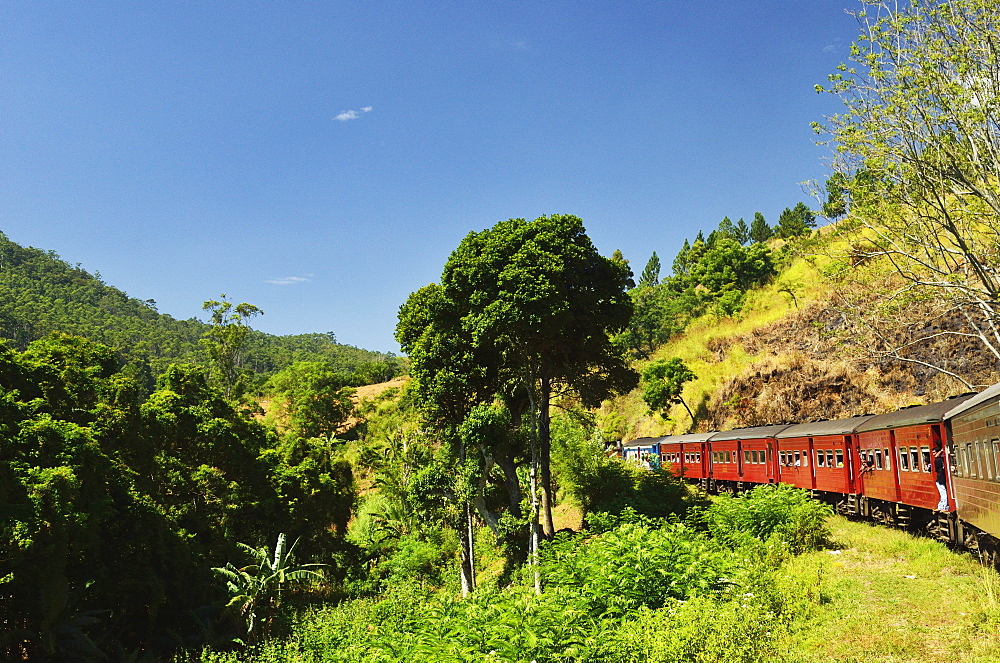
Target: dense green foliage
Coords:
[[115, 504], [662, 384], [523, 309], [640, 590], [41, 294], [795, 221], [708, 275]]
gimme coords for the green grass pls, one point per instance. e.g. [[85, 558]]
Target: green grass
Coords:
[[884, 595]]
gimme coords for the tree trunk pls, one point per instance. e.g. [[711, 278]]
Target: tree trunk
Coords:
[[512, 483], [544, 453], [533, 474], [467, 563]]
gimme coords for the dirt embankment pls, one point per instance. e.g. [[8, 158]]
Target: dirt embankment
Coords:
[[816, 364]]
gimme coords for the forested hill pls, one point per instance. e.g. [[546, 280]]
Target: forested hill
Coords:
[[40, 293]]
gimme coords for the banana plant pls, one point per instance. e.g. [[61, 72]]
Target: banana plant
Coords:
[[255, 589]]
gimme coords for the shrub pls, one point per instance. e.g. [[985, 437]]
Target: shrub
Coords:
[[776, 514], [634, 565]]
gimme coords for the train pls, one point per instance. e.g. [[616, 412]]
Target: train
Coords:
[[931, 467]]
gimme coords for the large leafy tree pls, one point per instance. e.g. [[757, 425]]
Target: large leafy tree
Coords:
[[312, 397], [917, 145], [663, 383], [523, 309], [226, 341]]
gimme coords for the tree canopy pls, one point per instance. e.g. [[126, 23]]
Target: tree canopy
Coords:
[[917, 149], [523, 308]]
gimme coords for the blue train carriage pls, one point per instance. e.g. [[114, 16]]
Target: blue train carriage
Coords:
[[974, 461], [685, 457], [644, 451]]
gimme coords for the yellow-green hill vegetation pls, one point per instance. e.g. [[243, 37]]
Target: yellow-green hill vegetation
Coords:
[[795, 352]]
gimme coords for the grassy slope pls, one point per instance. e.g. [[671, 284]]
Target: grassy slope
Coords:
[[887, 596], [789, 356], [765, 306]]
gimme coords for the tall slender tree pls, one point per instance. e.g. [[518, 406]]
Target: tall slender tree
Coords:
[[226, 340], [651, 274], [759, 230], [523, 308]]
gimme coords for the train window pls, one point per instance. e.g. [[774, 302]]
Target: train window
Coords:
[[914, 459], [970, 460], [746, 456], [925, 458], [799, 456], [888, 463], [990, 459], [983, 464], [820, 458], [878, 459], [829, 458], [996, 457], [783, 458], [758, 457], [840, 457], [904, 463]]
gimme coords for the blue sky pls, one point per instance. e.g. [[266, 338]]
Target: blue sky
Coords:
[[322, 159]]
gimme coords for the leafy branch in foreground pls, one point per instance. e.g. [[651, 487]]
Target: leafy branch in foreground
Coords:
[[918, 153]]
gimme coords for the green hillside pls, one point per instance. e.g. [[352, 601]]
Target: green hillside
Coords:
[[40, 293]]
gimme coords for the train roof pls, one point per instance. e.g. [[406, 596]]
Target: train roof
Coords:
[[687, 437], [820, 428], [641, 442], [978, 399], [913, 416], [754, 433]]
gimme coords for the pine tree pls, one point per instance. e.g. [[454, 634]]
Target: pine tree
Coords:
[[759, 230], [742, 232], [651, 275], [795, 221]]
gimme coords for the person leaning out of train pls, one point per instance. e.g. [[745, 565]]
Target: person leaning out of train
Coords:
[[937, 467]]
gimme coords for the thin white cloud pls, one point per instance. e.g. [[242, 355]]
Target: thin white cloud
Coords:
[[287, 280], [352, 114]]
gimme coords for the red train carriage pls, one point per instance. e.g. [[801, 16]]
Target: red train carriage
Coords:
[[685, 455], [818, 455], [744, 455], [975, 466], [903, 442]]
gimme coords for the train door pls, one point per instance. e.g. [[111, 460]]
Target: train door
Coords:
[[899, 462], [938, 439], [850, 454], [770, 463], [811, 453]]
